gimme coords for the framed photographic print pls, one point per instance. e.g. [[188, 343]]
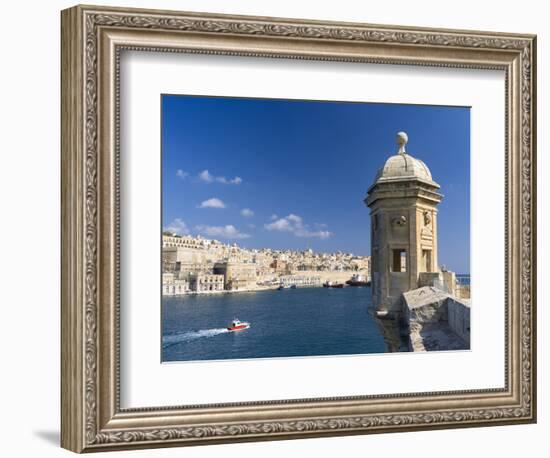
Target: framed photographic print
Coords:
[[277, 228]]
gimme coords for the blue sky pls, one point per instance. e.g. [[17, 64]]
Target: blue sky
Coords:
[[290, 174]]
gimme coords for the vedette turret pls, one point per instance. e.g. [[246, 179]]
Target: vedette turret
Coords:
[[403, 209]]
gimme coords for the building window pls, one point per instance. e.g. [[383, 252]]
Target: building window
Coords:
[[399, 260]]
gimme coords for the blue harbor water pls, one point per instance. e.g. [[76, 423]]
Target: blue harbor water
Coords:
[[290, 322]]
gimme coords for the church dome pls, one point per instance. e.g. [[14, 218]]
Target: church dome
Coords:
[[403, 166]]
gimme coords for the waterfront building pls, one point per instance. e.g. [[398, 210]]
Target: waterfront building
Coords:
[[299, 280], [182, 241], [172, 285], [403, 210], [201, 283], [264, 272], [185, 256], [237, 275], [172, 257], [280, 266]]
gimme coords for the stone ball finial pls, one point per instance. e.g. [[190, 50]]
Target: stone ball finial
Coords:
[[402, 139]]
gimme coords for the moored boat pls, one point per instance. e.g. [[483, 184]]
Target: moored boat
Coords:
[[332, 284], [358, 280]]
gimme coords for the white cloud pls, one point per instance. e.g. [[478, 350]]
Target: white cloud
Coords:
[[181, 174], [236, 180], [251, 226], [224, 232], [273, 217], [214, 202], [295, 224], [319, 234], [247, 213], [295, 219], [177, 226], [279, 225], [206, 177]]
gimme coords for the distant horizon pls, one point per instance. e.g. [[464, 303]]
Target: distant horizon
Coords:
[[292, 174]]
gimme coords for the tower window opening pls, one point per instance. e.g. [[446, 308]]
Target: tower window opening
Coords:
[[399, 260]]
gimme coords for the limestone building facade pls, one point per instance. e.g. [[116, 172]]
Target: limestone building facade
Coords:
[[237, 275], [202, 283], [184, 241], [173, 285], [403, 211]]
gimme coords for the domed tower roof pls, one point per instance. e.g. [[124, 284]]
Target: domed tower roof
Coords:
[[403, 166]]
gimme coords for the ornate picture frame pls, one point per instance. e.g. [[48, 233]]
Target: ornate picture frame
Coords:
[[92, 41]]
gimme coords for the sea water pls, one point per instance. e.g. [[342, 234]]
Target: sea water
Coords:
[[463, 279], [283, 323]]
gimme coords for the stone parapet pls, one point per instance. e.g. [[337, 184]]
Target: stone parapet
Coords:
[[458, 317], [435, 320]]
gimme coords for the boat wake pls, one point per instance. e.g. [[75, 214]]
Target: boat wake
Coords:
[[181, 337]]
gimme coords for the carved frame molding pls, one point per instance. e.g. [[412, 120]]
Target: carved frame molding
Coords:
[[92, 39]]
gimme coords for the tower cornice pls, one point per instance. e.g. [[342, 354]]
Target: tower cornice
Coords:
[[402, 189]]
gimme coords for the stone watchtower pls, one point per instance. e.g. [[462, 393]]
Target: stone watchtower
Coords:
[[402, 202]]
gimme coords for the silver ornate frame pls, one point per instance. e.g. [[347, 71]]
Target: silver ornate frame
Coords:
[[92, 39]]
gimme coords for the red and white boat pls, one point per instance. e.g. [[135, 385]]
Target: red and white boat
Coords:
[[237, 325]]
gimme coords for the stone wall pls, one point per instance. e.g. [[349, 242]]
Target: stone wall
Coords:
[[463, 291], [325, 275]]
